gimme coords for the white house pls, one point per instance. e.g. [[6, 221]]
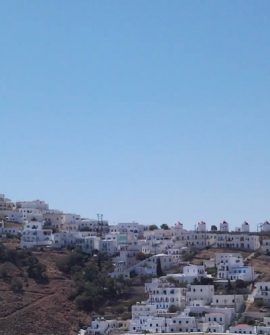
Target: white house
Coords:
[[101, 326], [131, 227], [243, 329], [14, 216], [245, 273], [108, 246], [245, 227], [143, 309], [30, 214], [88, 244], [97, 226], [6, 204], [196, 271], [53, 218], [164, 294], [200, 292], [264, 328], [265, 227], [33, 235], [238, 240], [181, 323], [263, 292], [149, 265], [201, 226], [229, 300], [265, 247], [224, 226], [213, 317], [35, 204], [231, 266], [225, 258], [66, 239], [6, 229]]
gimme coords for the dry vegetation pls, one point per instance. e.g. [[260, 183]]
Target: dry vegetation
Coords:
[[40, 308]]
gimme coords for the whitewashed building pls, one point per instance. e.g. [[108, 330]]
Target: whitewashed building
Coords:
[[265, 227], [163, 294], [265, 247], [224, 226], [263, 292], [33, 235], [243, 329], [235, 301], [100, 326], [203, 293]]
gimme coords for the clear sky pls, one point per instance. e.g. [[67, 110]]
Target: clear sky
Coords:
[[152, 111]]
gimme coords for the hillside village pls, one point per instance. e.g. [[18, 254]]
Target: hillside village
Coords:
[[223, 291]]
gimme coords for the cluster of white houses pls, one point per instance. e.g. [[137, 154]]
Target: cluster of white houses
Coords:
[[178, 304], [40, 226], [192, 308]]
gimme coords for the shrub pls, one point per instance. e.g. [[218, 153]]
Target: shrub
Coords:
[[153, 227], [172, 309], [119, 309], [188, 256], [16, 285], [84, 302], [38, 272], [66, 263], [142, 256], [239, 283], [258, 302], [212, 271]]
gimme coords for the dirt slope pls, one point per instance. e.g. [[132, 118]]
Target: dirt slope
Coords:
[[40, 309]]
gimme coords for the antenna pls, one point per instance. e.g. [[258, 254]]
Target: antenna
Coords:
[[100, 218]]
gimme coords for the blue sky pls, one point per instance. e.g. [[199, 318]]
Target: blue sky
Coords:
[[154, 111]]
